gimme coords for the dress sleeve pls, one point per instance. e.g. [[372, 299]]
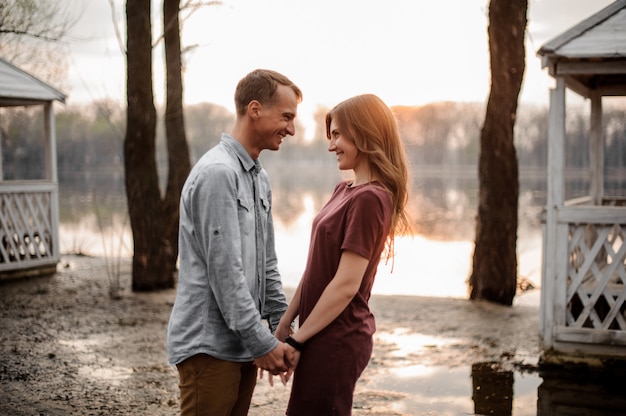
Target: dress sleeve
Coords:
[[368, 221]]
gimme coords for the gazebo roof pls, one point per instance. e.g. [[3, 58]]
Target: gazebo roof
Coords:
[[592, 54], [20, 88]]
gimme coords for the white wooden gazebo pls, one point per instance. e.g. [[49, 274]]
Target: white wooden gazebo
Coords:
[[583, 299], [29, 213]]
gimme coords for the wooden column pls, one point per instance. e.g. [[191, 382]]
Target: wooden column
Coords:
[[596, 150], [555, 199], [51, 146], [52, 175], [1, 157]]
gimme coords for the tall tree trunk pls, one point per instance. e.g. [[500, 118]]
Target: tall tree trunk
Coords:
[[179, 163], [494, 273], [153, 267]]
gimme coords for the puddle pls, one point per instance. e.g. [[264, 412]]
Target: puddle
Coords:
[[440, 390], [487, 388], [407, 343]]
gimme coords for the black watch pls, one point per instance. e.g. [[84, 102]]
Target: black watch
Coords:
[[297, 345]]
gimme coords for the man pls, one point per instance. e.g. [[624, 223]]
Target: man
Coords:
[[228, 278]]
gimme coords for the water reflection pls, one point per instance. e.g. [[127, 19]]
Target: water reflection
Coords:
[[489, 388], [431, 390], [408, 344], [434, 263], [492, 389], [481, 388], [576, 393], [478, 389]]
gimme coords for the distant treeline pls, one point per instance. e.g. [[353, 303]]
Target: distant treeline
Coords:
[[439, 137]]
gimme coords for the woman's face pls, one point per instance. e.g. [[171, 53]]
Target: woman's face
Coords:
[[348, 156]]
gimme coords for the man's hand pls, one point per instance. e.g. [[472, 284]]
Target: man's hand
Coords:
[[290, 360], [276, 361]]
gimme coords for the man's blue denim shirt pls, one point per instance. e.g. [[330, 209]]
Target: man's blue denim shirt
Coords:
[[222, 298]]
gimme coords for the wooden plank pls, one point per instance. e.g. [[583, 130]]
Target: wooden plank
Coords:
[[613, 91], [599, 67], [31, 264], [54, 225], [14, 187], [590, 336], [583, 200], [545, 317], [561, 266], [615, 313], [578, 87], [591, 215]]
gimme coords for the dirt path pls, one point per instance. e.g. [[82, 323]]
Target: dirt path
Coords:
[[67, 348]]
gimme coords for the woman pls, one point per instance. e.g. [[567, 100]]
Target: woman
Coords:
[[334, 341]]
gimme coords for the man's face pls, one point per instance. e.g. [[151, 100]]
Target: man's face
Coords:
[[277, 121]]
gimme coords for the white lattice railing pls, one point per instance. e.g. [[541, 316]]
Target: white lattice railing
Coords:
[[28, 224], [595, 283], [596, 277]]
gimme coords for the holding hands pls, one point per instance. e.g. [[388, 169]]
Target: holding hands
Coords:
[[284, 365]]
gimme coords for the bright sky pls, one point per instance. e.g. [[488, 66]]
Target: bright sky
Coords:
[[407, 52]]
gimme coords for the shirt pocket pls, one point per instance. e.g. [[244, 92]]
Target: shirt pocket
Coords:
[[245, 212], [265, 205], [245, 203]]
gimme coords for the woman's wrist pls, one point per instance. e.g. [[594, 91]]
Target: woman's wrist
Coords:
[[283, 323], [295, 344]]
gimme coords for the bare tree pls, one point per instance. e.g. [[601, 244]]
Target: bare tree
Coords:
[[30, 36], [150, 270], [154, 219], [494, 273], [176, 140]]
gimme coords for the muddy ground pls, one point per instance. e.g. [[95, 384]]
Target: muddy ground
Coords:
[[68, 348]]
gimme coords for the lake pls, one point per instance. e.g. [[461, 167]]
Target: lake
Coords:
[[434, 262]]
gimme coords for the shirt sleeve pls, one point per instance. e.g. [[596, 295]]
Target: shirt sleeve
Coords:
[[216, 201], [275, 300]]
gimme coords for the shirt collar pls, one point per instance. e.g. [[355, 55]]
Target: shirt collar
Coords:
[[249, 165]]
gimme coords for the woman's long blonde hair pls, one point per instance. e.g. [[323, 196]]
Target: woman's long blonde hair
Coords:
[[371, 125]]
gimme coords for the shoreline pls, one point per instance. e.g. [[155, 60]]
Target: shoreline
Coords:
[[67, 348]]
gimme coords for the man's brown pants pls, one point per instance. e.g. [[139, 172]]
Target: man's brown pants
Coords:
[[213, 387]]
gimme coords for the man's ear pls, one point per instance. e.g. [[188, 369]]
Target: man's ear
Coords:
[[254, 109]]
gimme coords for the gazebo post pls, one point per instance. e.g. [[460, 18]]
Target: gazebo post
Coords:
[[555, 197], [52, 175], [596, 150], [50, 139], [1, 164]]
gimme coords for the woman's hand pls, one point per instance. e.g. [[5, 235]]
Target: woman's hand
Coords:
[[283, 331]]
